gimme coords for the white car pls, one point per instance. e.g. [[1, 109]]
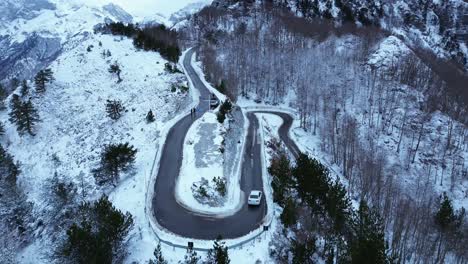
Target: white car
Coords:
[[255, 198]]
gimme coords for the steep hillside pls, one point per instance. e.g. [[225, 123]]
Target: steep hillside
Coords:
[[75, 127], [439, 25], [371, 106]]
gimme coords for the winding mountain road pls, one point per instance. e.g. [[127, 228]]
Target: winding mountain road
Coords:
[[179, 220]]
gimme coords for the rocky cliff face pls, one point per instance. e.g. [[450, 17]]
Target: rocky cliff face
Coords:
[[25, 9], [118, 13], [23, 60]]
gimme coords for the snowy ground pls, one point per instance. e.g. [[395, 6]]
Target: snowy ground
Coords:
[[75, 125], [202, 163]]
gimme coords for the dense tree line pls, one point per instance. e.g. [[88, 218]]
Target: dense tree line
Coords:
[[324, 210], [350, 236], [152, 37]]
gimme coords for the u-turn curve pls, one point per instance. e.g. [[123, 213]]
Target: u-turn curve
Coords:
[[179, 220]]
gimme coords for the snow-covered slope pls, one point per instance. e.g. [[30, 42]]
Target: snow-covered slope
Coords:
[[74, 125]]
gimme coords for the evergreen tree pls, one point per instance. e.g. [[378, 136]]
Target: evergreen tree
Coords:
[[3, 92], [338, 206], [191, 257], [302, 252], [9, 170], [219, 253], [289, 215], [312, 181], [225, 108], [158, 257], [150, 117], [2, 129], [30, 117], [24, 115], [42, 78], [445, 216], [15, 213], [24, 88], [115, 159], [63, 192], [98, 236], [367, 244], [448, 223], [114, 109], [15, 108], [3, 95], [280, 170], [115, 69]]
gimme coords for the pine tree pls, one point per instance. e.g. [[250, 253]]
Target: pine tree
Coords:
[[367, 244], [115, 69], [115, 159], [3, 95], [24, 88], [219, 253], [289, 215], [448, 223], [15, 213], [9, 170], [2, 129], [150, 117], [158, 257], [114, 109], [445, 216], [191, 256], [303, 251], [42, 78], [280, 170], [225, 108], [312, 181], [3, 92], [338, 205], [15, 108], [24, 115], [97, 236]]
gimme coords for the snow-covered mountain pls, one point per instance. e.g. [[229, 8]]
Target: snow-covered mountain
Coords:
[[34, 32], [188, 10]]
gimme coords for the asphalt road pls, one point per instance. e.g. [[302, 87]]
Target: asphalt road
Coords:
[[179, 220]]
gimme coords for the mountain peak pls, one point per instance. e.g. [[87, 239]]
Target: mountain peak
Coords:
[[118, 12]]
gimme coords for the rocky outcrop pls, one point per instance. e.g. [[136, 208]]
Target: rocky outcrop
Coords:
[[26, 48], [26, 9], [118, 13], [23, 60]]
